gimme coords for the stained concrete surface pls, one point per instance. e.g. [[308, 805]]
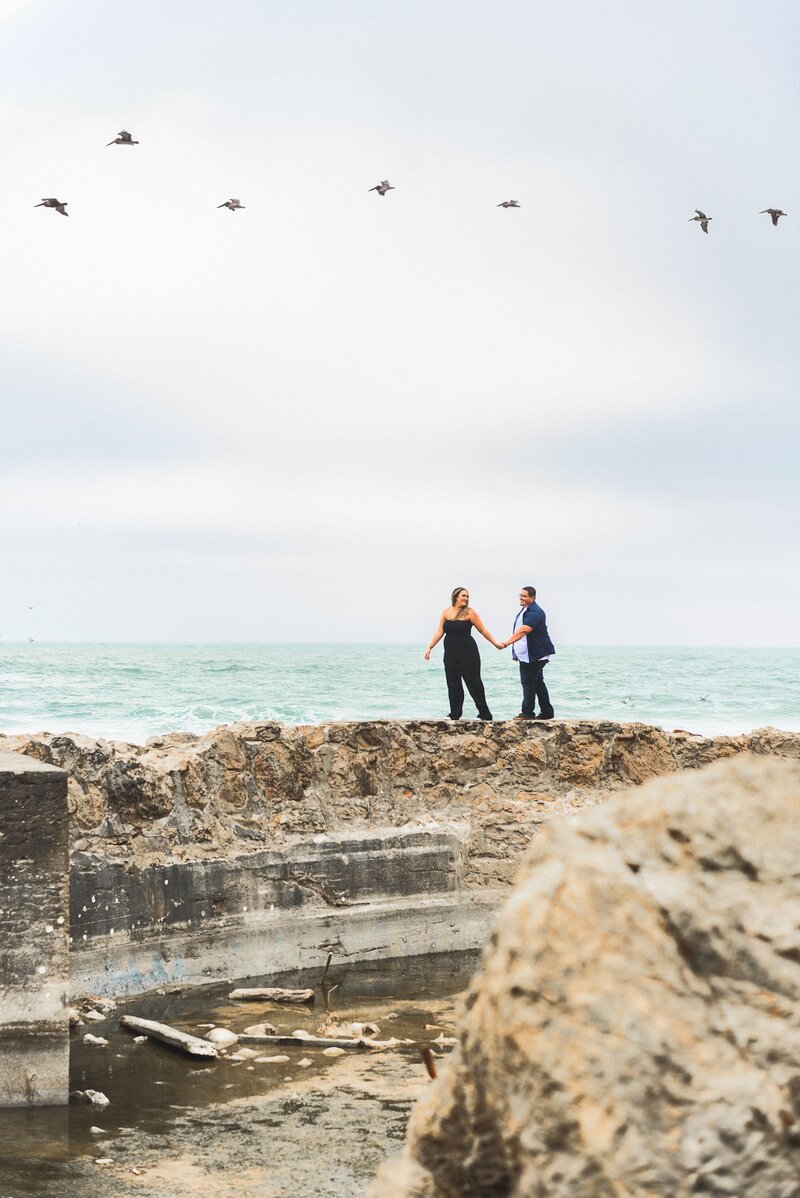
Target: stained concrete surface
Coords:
[[34, 931]]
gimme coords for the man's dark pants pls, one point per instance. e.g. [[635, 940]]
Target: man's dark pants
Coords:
[[533, 688]]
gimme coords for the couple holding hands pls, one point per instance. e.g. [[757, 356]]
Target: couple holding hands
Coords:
[[532, 648]]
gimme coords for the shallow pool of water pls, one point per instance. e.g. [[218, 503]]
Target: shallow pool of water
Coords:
[[152, 1088]]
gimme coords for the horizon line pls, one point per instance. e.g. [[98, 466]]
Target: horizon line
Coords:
[[365, 644]]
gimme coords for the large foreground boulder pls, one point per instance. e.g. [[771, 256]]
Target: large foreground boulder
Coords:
[[635, 1027]]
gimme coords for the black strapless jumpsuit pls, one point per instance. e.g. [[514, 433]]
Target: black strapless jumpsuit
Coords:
[[462, 662]]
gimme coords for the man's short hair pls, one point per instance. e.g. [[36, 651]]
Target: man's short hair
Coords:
[[531, 591]]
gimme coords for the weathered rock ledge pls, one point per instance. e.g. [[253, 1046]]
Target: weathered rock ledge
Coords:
[[261, 846], [246, 786]]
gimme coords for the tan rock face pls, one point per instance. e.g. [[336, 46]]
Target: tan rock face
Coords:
[[635, 1028], [641, 754], [247, 786], [581, 760]]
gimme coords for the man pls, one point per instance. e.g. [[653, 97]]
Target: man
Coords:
[[533, 649]]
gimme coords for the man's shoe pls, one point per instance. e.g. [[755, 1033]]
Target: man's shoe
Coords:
[[545, 717], [522, 716]]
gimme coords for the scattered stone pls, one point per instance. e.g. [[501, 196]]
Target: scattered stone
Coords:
[[106, 1005], [243, 1054], [356, 1031], [140, 1039], [96, 1097], [98, 1131], [260, 1029], [333, 1052], [276, 1060], [304, 1062], [93, 1016], [221, 1036], [104, 1160], [100, 1041]]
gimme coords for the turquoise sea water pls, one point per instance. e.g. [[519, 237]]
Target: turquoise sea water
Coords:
[[131, 692]]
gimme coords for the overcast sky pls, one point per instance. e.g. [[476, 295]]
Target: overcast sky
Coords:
[[312, 418]]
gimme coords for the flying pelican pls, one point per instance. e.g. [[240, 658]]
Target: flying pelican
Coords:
[[123, 138], [701, 216], [774, 213], [509, 204], [382, 187], [59, 205], [232, 204]]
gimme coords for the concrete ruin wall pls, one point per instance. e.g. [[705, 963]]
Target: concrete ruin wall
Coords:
[[260, 847], [34, 931]]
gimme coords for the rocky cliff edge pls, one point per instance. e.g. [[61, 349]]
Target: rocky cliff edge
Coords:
[[249, 786]]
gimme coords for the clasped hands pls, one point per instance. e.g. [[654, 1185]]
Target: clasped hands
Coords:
[[502, 645]]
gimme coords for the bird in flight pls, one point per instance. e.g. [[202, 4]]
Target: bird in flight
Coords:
[[59, 205], [232, 204], [123, 138], [702, 218], [509, 204], [382, 187], [775, 213]]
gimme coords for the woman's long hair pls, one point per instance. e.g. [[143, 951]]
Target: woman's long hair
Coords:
[[455, 595]]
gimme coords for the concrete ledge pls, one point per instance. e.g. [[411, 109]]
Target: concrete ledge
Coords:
[[273, 942], [34, 932], [387, 892]]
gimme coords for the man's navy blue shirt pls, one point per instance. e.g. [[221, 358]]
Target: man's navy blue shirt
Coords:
[[539, 643]]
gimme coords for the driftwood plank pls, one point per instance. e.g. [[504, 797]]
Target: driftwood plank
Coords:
[[326, 1042], [193, 1045], [273, 994]]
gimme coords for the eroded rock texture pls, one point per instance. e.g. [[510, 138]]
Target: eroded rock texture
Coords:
[[249, 786], [635, 1028]]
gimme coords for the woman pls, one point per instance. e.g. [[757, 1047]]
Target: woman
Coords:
[[462, 661]]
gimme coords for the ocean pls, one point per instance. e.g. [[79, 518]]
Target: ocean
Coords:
[[134, 691]]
